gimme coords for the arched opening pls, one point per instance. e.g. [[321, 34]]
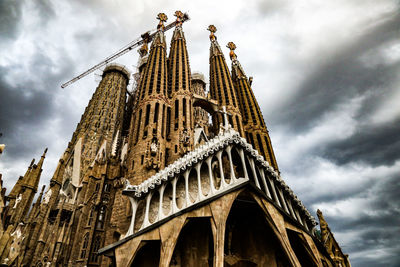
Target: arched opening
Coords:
[[139, 215], [260, 180], [167, 199], [237, 163], [226, 166], [193, 186], [249, 239], [216, 173], [94, 257], [84, 245], [204, 179], [180, 192], [249, 169], [153, 209], [298, 245], [148, 255], [195, 246], [102, 217]]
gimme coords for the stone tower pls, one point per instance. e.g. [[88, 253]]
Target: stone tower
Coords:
[[253, 122], [147, 137], [180, 132], [221, 85], [74, 216], [21, 196]]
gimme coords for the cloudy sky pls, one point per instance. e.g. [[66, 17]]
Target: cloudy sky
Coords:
[[326, 74]]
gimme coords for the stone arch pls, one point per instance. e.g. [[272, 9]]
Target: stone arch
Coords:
[[237, 163], [303, 253], [205, 179], [180, 192], [260, 180], [193, 185], [154, 206], [139, 215], [167, 199], [148, 255], [195, 245], [249, 169], [216, 172], [249, 238], [226, 166]]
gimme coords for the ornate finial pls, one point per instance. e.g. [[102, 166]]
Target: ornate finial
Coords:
[[232, 47], [162, 18], [179, 17], [212, 30]]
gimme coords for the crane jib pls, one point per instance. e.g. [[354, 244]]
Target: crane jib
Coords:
[[121, 52]]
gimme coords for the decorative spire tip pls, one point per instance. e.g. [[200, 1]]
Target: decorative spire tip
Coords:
[[212, 30], [162, 18], [232, 47], [179, 18]]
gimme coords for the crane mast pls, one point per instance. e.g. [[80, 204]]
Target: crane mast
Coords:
[[146, 37]]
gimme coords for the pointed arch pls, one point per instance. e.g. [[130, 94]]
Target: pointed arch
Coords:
[[84, 246], [249, 238], [303, 253], [195, 245], [148, 254]]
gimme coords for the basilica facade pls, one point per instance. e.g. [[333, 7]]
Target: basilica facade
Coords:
[[170, 173]]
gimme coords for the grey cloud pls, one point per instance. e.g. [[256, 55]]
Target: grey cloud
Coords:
[[27, 106], [372, 144], [378, 225], [10, 16], [342, 77]]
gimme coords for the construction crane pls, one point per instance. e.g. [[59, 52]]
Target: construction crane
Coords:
[[146, 37]]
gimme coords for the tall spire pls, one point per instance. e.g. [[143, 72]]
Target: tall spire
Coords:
[[147, 130], [178, 67], [154, 81], [221, 85], [253, 121], [34, 178], [180, 127]]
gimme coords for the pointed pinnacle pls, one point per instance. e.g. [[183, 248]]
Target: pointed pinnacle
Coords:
[[212, 30]]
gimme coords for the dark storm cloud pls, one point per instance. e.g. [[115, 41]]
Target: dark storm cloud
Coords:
[[378, 225], [372, 144], [26, 107], [342, 77], [10, 18]]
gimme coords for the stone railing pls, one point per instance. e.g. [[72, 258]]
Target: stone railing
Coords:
[[222, 164]]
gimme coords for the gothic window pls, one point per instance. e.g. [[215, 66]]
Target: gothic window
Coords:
[[138, 126], [176, 114], [252, 140], [238, 125], [90, 219], [146, 122], [260, 145], [168, 121], [156, 113], [184, 112], [142, 160], [133, 164], [163, 121], [107, 188], [84, 245], [96, 246], [101, 218]]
